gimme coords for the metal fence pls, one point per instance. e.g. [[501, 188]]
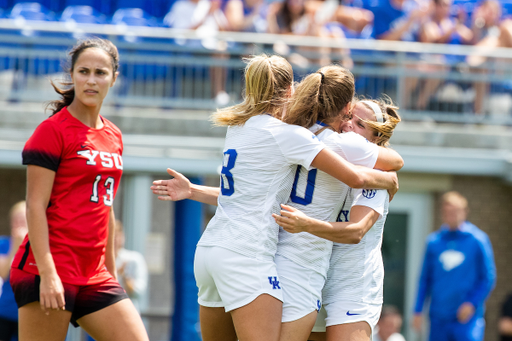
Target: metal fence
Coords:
[[180, 69]]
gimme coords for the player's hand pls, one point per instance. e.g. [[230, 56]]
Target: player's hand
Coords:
[[175, 189], [291, 219], [392, 191], [51, 293], [417, 322], [465, 312]]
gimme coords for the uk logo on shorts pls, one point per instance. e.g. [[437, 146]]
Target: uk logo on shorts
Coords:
[[369, 193], [274, 282], [318, 305]]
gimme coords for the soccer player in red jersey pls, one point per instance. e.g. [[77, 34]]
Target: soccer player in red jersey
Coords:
[[64, 270]]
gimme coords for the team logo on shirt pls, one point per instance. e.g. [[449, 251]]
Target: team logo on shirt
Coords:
[[274, 282], [108, 160], [369, 193], [343, 216], [451, 259]]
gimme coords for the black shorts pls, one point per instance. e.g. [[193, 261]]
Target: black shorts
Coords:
[[80, 299], [8, 329]]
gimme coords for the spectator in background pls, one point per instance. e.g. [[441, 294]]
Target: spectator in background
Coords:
[[132, 272], [299, 17], [207, 17], [291, 17], [399, 20], [440, 28], [8, 307], [458, 275], [202, 15], [505, 322], [389, 325], [485, 20], [394, 21], [489, 33], [352, 18], [246, 16]]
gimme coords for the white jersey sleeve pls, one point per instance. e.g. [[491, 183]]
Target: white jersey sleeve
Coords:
[[373, 198], [354, 148], [298, 145]]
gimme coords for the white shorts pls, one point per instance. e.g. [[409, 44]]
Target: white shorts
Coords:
[[347, 312], [302, 289], [231, 280]]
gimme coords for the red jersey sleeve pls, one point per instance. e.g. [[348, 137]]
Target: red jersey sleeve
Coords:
[[44, 147]]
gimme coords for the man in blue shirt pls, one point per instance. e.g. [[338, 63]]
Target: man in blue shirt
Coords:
[[458, 275]]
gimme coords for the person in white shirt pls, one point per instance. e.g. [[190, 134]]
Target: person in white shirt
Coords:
[[240, 295], [132, 270], [352, 294]]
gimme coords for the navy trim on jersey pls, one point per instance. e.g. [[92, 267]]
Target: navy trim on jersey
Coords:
[[40, 158], [25, 256]]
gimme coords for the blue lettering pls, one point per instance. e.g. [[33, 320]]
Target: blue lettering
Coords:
[[310, 188]]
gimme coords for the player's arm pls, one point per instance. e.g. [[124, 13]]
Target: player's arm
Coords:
[[355, 176], [362, 218], [179, 188], [110, 258], [39, 187], [389, 160]]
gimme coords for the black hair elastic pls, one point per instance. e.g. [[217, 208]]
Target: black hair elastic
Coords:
[[323, 76]]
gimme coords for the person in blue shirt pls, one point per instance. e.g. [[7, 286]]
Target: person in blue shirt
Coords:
[[458, 275], [395, 20], [8, 307]]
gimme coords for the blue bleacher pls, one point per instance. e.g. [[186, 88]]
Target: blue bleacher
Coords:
[[507, 8], [51, 5], [133, 17], [102, 7], [154, 8], [31, 11], [82, 14]]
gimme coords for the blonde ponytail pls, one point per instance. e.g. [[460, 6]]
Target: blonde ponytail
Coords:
[[268, 80], [321, 96]]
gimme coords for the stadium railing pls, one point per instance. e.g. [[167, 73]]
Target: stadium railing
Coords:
[[169, 68]]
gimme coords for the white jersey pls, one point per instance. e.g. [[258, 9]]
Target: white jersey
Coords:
[[260, 158], [318, 194], [356, 271]]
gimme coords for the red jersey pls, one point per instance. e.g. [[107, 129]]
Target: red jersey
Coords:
[[88, 167]]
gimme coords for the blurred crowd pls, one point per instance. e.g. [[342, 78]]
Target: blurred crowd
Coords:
[[429, 21], [484, 23]]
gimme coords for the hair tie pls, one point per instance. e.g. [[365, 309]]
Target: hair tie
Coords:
[[323, 76]]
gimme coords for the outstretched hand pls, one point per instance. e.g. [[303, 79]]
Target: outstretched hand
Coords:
[[175, 189], [291, 219]]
